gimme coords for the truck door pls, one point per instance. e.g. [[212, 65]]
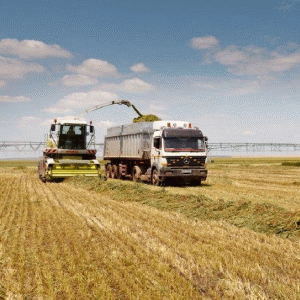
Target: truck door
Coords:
[[157, 145]]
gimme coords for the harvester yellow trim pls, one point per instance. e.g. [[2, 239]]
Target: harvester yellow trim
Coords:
[[63, 170]]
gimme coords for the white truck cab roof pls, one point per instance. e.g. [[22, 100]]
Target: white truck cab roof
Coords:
[[158, 125]]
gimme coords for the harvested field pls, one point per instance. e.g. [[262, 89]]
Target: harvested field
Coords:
[[82, 240]]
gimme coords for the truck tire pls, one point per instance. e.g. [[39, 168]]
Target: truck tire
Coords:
[[136, 173], [196, 182], [155, 178], [114, 172], [108, 171]]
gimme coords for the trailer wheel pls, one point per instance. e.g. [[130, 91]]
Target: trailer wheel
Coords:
[[114, 172], [108, 171], [155, 178], [136, 173]]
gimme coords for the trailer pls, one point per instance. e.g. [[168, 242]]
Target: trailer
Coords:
[[157, 152]]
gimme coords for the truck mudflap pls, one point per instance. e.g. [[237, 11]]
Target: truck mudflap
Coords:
[[186, 174]]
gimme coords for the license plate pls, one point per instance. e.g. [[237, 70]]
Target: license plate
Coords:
[[186, 171]]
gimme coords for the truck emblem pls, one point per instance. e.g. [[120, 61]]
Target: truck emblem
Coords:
[[186, 161]]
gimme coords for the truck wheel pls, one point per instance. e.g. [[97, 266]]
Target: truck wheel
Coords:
[[108, 171], [114, 173], [155, 178], [196, 182], [136, 173], [120, 176]]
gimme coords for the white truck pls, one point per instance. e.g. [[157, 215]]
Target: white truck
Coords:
[[156, 152]]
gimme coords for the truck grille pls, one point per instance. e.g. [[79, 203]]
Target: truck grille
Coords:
[[188, 161]]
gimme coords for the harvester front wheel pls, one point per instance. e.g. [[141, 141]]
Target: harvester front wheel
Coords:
[[42, 171], [108, 171]]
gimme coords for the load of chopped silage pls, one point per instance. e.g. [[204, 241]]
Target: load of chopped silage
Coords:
[[146, 118]]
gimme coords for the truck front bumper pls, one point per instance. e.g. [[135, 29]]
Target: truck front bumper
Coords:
[[183, 173]]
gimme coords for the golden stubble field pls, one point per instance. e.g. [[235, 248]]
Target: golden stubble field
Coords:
[[83, 239]]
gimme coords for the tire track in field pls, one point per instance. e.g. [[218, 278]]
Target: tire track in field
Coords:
[[144, 227], [114, 236], [113, 239], [149, 234], [11, 234], [51, 238], [180, 253], [71, 251], [86, 245]]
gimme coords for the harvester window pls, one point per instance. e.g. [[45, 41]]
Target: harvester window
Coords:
[[71, 131], [72, 137]]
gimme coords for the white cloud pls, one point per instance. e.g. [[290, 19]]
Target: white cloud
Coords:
[[27, 121], [206, 86], [58, 110], [255, 61], [249, 60], [230, 57], [47, 122], [2, 83], [78, 80], [28, 49], [205, 42], [75, 101], [94, 68], [105, 124], [14, 99], [139, 68], [135, 85], [156, 107], [222, 89], [260, 66], [248, 132], [14, 68]]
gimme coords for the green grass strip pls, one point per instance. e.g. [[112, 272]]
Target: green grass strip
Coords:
[[291, 164], [260, 217]]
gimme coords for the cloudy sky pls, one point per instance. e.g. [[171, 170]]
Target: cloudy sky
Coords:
[[230, 67]]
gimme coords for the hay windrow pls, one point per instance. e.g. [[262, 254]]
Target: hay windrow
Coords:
[[146, 118]]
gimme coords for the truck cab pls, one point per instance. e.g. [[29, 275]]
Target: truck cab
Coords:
[[178, 152]]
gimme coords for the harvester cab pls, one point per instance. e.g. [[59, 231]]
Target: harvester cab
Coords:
[[71, 135], [70, 151]]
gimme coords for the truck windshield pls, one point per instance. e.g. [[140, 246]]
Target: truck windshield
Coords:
[[72, 136], [179, 144]]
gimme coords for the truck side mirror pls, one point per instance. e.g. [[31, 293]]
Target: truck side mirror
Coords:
[[205, 139], [52, 127], [91, 129]]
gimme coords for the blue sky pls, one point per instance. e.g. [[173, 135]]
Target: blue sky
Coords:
[[230, 67]]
